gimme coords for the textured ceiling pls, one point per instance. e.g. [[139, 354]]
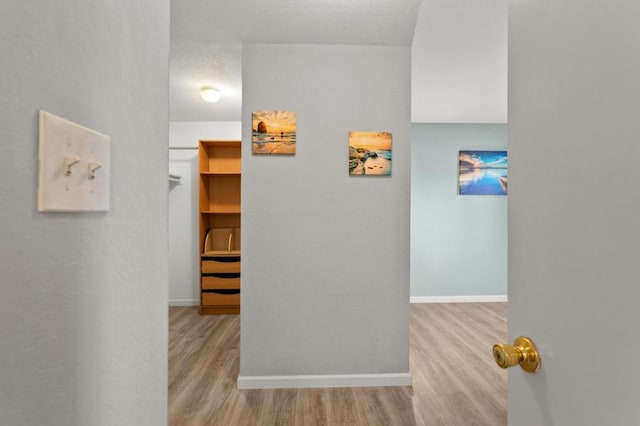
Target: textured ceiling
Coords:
[[207, 37]]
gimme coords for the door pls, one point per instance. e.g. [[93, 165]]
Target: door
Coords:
[[574, 210]]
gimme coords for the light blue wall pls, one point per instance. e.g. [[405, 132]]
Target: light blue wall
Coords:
[[458, 243]]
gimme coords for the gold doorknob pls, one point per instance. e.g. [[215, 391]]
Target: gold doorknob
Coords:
[[523, 352]]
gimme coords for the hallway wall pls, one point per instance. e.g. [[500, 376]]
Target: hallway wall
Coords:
[[325, 270], [83, 305]]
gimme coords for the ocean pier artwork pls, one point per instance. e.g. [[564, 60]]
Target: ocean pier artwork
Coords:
[[273, 133], [370, 153], [482, 172]]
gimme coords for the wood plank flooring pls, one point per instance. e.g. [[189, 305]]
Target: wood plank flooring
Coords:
[[455, 380]]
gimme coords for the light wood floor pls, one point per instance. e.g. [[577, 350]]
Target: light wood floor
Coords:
[[455, 380]]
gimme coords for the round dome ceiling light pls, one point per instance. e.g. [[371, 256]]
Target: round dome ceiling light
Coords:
[[210, 93]]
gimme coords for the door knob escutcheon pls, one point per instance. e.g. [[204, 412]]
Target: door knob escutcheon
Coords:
[[523, 352]]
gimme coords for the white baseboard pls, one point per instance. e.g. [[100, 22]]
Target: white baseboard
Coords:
[[184, 302], [412, 299], [324, 381], [458, 299]]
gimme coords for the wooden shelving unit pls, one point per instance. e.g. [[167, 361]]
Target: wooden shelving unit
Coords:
[[219, 195]]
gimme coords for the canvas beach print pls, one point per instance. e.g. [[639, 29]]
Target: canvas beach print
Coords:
[[274, 133], [482, 173], [370, 153]]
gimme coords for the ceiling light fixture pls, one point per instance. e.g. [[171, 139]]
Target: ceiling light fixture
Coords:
[[210, 93]]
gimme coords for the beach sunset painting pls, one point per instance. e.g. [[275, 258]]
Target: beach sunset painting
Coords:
[[370, 153], [274, 133], [482, 173]]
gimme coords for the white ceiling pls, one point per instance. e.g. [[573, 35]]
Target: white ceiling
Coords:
[[207, 37], [459, 50]]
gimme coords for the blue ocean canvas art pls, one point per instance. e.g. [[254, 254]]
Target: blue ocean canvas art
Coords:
[[482, 173]]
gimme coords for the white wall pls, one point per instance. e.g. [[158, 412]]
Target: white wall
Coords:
[[188, 133], [325, 263], [458, 243], [184, 261], [459, 62], [83, 306]]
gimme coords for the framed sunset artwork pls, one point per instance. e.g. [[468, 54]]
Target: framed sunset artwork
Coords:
[[370, 153], [274, 133]]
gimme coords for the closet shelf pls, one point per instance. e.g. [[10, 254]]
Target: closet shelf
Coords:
[[220, 173], [219, 206]]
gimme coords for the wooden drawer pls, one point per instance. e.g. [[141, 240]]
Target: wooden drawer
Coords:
[[220, 299], [212, 266], [220, 283]]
